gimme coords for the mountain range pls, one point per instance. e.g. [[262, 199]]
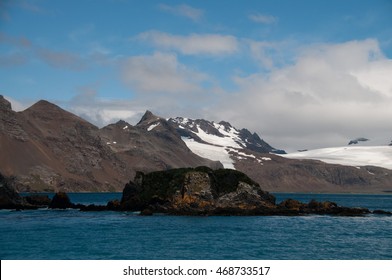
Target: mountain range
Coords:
[[46, 148]]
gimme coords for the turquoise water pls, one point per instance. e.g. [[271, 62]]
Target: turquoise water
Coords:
[[71, 234]]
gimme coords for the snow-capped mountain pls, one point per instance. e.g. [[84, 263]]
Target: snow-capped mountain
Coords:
[[46, 148], [350, 155], [221, 141]]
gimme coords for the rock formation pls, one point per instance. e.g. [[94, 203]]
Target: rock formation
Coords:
[[187, 191], [9, 198], [61, 201], [203, 191]]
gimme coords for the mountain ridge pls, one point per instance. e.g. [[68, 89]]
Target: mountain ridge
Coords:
[[47, 148]]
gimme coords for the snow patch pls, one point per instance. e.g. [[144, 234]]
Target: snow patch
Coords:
[[151, 127], [226, 141], [210, 151], [125, 127], [240, 153]]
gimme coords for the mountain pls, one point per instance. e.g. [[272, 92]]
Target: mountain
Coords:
[[153, 144], [273, 169], [221, 141], [49, 149], [46, 148]]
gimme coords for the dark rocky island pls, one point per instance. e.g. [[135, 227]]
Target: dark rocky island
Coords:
[[203, 191], [187, 191]]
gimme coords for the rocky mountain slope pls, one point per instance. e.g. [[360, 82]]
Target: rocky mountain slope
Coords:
[[152, 144], [221, 141], [46, 148]]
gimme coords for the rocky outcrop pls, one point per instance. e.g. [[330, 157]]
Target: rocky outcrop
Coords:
[[9, 198], [39, 201], [61, 201], [203, 191], [187, 191], [195, 191], [294, 207]]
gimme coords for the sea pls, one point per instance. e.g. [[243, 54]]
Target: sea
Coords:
[[74, 235]]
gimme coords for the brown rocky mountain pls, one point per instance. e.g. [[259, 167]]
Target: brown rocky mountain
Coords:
[[46, 148], [151, 145]]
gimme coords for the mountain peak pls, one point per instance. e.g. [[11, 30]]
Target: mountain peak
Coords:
[[47, 111], [44, 105], [147, 118], [122, 123], [226, 125]]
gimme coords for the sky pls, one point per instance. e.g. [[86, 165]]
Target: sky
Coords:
[[303, 74]]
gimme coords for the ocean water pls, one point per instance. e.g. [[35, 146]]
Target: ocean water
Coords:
[[71, 234]]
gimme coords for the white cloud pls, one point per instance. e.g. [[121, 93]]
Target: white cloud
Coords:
[[376, 76], [17, 105], [160, 73], [260, 51], [331, 93], [262, 18], [210, 44], [183, 10], [100, 111]]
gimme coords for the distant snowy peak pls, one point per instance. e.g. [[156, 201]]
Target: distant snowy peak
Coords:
[[150, 122], [350, 155], [221, 141], [221, 134]]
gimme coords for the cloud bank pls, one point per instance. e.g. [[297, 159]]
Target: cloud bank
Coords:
[[324, 95], [330, 93]]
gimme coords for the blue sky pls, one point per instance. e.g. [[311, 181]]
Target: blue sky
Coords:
[[302, 74]]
